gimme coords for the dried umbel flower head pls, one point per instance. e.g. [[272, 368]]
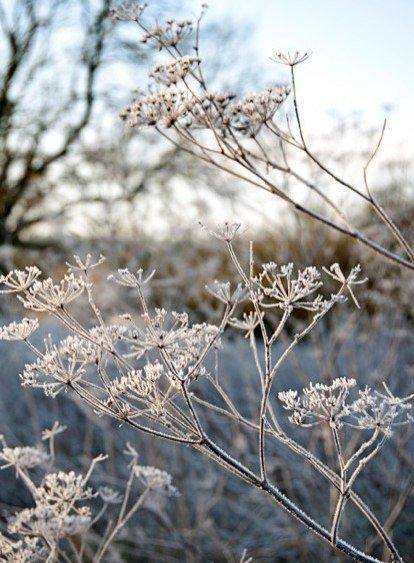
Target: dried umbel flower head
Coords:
[[291, 59], [46, 296], [128, 11], [20, 280], [222, 291], [336, 273], [56, 369], [249, 322], [249, 114], [332, 404], [172, 334], [62, 487], [50, 522], [58, 512], [128, 279], [142, 385], [374, 410], [109, 496], [25, 550], [174, 71], [209, 110], [19, 331], [288, 289], [319, 403], [84, 265], [22, 457], [226, 231], [156, 480], [170, 34], [162, 109]]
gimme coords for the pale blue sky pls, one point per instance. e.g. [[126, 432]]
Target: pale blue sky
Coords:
[[363, 53]]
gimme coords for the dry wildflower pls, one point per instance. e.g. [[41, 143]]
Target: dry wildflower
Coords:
[[145, 375], [331, 403], [162, 109], [156, 480], [174, 71], [63, 487], [170, 34], [62, 509], [141, 385], [49, 522], [209, 110], [49, 433], [287, 289], [222, 291], [248, 323], [25, 550], [84, 265], [373, 410], [22, 457], [336, 273], [57, 368], [319, 403], [291, 59], [174, 335], [128, 11], [128, 279], [109, 496], [19, 331], [47, 296], [226, 231], [20, 280], [249, 114]]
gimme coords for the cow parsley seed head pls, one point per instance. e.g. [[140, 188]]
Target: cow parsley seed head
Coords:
[[222, 291], [128, 279], [336, 273], [249, 114], [287, 289], [49, 433], [26, 550], [50, 522], [63, 487], [374, 410], [226, 231], [25, 457], [291, 59], [175, 70], [20, 280], [249, 322], [128, 11], [84, 265], [162, 109], [156, 480], [19, 331], [47, 296], [170, 34], [319, 403], [109, 496], [210, 110]]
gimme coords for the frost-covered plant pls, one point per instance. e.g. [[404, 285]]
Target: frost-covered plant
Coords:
[[247, 137], [154, 371], [58, 525], [332, 405]]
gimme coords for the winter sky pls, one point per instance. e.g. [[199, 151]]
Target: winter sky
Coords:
[[363, 54]]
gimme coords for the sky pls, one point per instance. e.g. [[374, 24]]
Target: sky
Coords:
[[362, 55]]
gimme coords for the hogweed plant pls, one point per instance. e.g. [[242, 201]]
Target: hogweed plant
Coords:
[[65, 508], [246, 137], [155, 371]]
